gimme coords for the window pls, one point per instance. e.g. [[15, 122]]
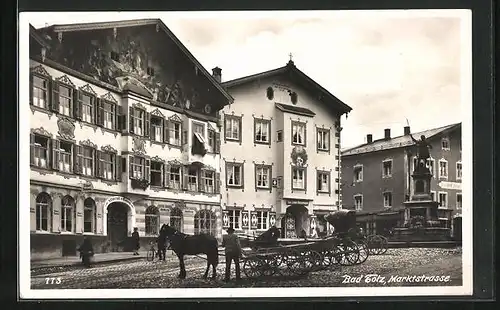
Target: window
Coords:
[[174, 129], [234, 218], [358, 173], [152, 221], [43, 211], [279, 135], [208, 181], [443, 169], [89, 215], [67, 209], [156, 174], [88, 108], [65, 156], [298, 178], [433, 195], [175, 177], [459, 201], [157, 129], [88, 161], [40, 87], [323, 181], [109, 112], [138, 116], [298, 133], [137, 165], [261, 131], [234, 173], [192, 179], [262, 219], [387, 168], [459, 170], [232, 128], [323, 139], [387, 199], [199, 128], [431, 166], [205, 223], [211, 140], [358, 202], [176, 218], [262, 176], [443, 199], [108, 166], [65, 100], [40, 145], [445, 144]]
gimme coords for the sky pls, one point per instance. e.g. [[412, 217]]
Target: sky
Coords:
[[387, 66]]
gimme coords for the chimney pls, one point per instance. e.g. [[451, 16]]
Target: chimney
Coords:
[[407, 130], [217, 74], [369, 138], [387, 133]]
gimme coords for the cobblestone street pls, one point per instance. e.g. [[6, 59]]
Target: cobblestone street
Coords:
[[395, 264]]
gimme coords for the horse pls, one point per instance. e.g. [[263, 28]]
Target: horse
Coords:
[[183, 244]]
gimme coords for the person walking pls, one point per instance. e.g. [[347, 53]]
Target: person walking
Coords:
[[135, 241], [86, 251], [232, 246], [161, 243]]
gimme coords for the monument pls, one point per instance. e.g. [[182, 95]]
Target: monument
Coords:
[[420, 213]]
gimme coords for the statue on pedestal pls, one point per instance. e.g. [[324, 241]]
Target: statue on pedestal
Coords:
[[422, 152]]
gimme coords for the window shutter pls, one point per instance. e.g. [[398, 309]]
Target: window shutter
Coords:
[[166, 132], [269, 131], [217, 142], [77, 104], [147, 169], [78, 159], [242, 175], [131, 120], [201, 181], [99, 115], [217, 183], [184, 137], [270, 179], [184, 177], [166, 175], [317, 181], [56, 146], [31, 89], [55, 96], [162, 175], [147, 124], [117, 122], [99, 164], [117, 161], [32, 149], [240, 121], [130, 167], [305, 135], [305, 179]]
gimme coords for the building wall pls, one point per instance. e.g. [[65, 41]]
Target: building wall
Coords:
[[251, 102]]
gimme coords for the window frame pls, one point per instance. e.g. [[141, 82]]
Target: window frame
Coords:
[[114, 113], [204, 179], [47, 80], [236, 224], [299, 124], [329, 177], [242, 169], [39, 206], [179, 174], [264, 224], [432, 168], [261, 121], [142, 165], [71, 156], [456, 201], [355, 167], [239, 124], [327, 131], [36, 148], [304, 178], [439, 200], [71, 98], [161, 126], [71, 213], [269, 168], [171, 133], [92, 158], [388, 160], [447, 140], [456, 170], [151, 212], [161, 171], [387, 194], [442, 160], [93, 222], [355, 204], [104, 164], [190, 187], [93, 106]]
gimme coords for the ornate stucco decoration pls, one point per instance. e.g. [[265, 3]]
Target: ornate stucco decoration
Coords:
[[40, 70], [108, 148], [299, 156], [138, 106], [158, 113], [207, 108], [88, 143], [109, 97], [210, 127], [158, 159], [175, 162], [88, 89], [139, 146], [208, 167], [66, 128], [41, 131], [65, 80], [175, 118]]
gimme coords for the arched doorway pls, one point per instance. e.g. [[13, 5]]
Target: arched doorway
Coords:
[[117, 225], [295, 221], [205, 223]]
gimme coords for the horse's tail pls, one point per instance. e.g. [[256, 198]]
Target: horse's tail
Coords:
[[216, 259]]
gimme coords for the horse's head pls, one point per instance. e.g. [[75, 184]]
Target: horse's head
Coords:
[[168, 230]]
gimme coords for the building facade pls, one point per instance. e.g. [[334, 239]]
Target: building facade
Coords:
[[280, 149], [376, 176], [124, 134]]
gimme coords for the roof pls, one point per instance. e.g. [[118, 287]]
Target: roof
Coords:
[[142, 22], [295, 110], [397, 142], [295, 74], [38, 38]]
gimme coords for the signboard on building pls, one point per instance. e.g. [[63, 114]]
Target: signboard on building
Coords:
[[272, 218], [245, 220], [225, 219], [450, 185], [253, 220], [296, 202]]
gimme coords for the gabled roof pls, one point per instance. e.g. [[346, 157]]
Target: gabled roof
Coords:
[[38, 38], [141, 22], [293, 109], [299, 77], [397, 142]]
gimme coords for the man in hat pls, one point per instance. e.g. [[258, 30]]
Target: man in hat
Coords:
[[232, 246]]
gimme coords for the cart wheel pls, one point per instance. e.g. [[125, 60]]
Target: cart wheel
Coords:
[[350, 254], [150, 255], [252, 267], [296, 263], [363, 252], [268, 266], [313, 260]]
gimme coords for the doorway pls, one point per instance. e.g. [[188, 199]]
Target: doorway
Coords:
[[117, 223], [296, 221]]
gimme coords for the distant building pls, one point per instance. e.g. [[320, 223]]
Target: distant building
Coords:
[[376, 176], [280, 152], [124, 134]]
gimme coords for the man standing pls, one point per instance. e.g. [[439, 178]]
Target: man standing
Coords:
[[135, 241], [161, 242], [232, 246]]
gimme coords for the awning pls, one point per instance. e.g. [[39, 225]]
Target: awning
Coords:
[[200, 137]]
